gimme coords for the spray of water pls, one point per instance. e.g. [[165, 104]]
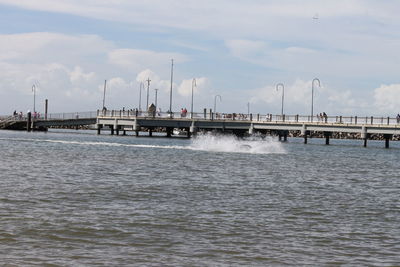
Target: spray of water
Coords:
[[228, 143], [202, 142]]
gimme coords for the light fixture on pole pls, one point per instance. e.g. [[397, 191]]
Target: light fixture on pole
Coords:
[[312, 96], [140, 95], [156, 98], [283, 94], [191, 107], [148, 88], [34, 98], [104, 94], [170, 92], [215, 102]]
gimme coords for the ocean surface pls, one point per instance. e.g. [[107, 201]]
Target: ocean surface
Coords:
[[78, 199]]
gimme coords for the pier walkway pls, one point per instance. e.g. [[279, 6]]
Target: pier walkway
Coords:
[[116, 121]]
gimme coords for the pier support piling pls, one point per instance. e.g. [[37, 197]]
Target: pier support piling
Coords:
[[29, 122], [112, 129], [387, 138], [98, 129], [169, 131], [327, 136]]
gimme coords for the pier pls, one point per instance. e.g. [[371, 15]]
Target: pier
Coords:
[[120, 122]]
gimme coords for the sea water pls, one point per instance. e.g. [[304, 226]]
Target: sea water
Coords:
[[80, 199]]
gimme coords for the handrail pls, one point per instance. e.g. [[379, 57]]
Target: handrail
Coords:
[[209, 115], [352, 120]]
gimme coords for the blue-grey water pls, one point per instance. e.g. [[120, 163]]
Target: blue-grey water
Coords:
[[78, 199]]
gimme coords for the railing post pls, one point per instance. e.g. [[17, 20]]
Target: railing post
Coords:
[[372, 120], [297, 118], [340, 119], [388, 120], [251, 116], [355, 119], [258, 117], [283, 117]]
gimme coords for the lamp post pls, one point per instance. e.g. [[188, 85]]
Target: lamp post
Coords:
[[312, 96], [156, 98], [104, 93], [215, 102], [34, 98], [170, 92], [148, 88], [283, 94], [140, 95], [191, 107]]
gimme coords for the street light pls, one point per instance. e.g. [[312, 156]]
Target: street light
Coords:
[[191, 108], [215, 102], [148, 87], [283, 94], [312, 96], [140, 95], [34, 98], [156, 98], [104, 94], [170, 92]]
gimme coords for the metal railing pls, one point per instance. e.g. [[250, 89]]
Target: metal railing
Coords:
[[362, 120], [208, 115]]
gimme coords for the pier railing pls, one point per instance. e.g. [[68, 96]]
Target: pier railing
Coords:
[[362, 120], [371, 120]]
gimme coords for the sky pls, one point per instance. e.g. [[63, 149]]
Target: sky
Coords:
[[239, 50]]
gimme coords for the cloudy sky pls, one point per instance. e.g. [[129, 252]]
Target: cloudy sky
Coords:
[[237, 49]]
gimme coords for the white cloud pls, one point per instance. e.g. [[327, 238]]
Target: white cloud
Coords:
[[199, 85], [138, 59], [387, 98], [71, 70]]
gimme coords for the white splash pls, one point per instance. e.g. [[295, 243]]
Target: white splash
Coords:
[[229, 143]]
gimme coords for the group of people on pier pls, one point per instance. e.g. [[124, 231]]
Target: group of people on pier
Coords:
[[322, 117]]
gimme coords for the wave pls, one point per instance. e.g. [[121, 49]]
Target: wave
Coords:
[[229, 143], [202, 142]]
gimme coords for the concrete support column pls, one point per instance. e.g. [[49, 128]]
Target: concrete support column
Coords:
[[124, 133], [150, 132], [99, 129], [112, 129], [193, 128], [188, 132], [285, 134], [29, 122], [117, 130], [305, 139], [364, 135], [387, 138], [169, 131], [327, 136]]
